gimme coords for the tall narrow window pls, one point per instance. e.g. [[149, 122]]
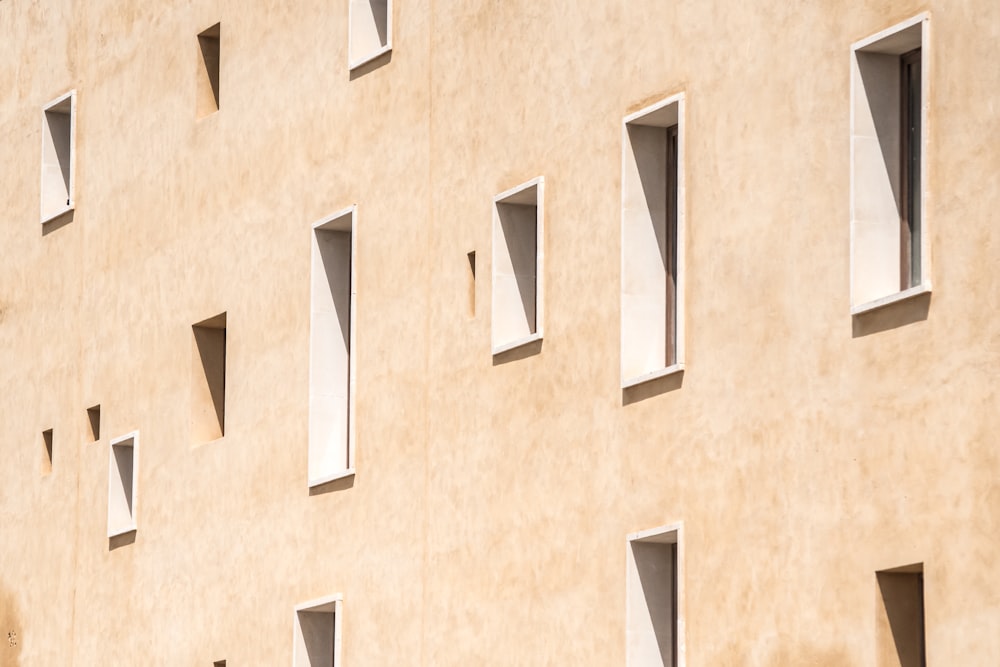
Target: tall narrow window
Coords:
[[889, 244], [317, 633], [653, 614], [370, 33], [900, 629], [652, 334], [517, 266], [208, 391], [472, 283], [209, 43], [58, 159], [46, 451], [331, 341], [94, 419], [122, 483]]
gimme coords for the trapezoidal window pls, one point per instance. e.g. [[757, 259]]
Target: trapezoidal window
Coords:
[[331, 340], [370, 32], [517, 266], [900, 628], [890, 253], [654, 624], [209, 54], [208, 387], [122, 481], [317, 633], [58, 159], [652, 289]]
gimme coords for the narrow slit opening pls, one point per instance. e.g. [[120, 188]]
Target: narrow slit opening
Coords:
[[472, 283], [94, 419], [208, 401], [209, 47], [47, 451]]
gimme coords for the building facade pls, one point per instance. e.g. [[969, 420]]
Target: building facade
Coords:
[[499, 333]]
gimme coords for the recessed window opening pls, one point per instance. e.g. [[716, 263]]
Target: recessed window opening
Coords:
[[900, 633], [472, 283], [317, 633], [208, 76], [652, 242], [122, 465], [889, 243], [219, 663], [208, 400], [58, 138], [370, 33], [517, 266], [331, 372], [653, 620], [46, 451], [94, 419]]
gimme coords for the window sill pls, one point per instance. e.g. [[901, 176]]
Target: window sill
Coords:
[[58, 214], [923, 288], [354, 64], [655, 375], [122, 530], [320, 481], [505, 347]]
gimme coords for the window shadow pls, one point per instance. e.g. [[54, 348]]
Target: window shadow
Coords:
[[58, 222], [380, 12], [520, 352], [522, 249], [655, 564], [123, 540], [211, 344], [209, 42], [891, 316], [653, 169], [61, 129], [903, 600], [651, 388], [124, 462], [371, 65], [332, 486], [883, 103], [335, 255], [318, 636]]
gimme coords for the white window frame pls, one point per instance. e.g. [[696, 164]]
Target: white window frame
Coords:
[[636, 222], [359, 10], [516, 195], [872, 211], [344, 220], [48, 213], [668, 534], [331, 604], [116, 526]]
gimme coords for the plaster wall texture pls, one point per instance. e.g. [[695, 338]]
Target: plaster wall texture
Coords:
[[802, 449]]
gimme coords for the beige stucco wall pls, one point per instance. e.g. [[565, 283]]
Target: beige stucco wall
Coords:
[[802, 449]]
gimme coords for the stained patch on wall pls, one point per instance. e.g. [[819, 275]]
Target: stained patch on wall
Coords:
[[11, 635]]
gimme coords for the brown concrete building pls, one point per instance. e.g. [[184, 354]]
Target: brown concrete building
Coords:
[[367, 333]]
